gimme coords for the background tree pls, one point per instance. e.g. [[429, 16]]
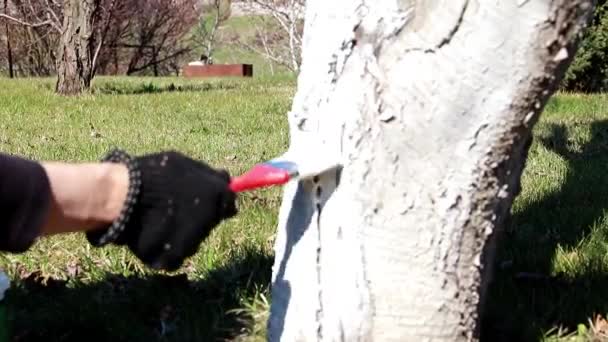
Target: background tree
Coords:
[[9, 49], [155, 38], [429, 107], [77, 48], [126, 37], [278, 36], [35, 28], [589, 70], [204, 37]]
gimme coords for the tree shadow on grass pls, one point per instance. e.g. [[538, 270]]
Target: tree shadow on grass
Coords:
[[524, 300], [155, 308], [126, 88]]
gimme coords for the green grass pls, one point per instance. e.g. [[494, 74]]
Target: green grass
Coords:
[[231, 124], [552, 269], [552, 272]]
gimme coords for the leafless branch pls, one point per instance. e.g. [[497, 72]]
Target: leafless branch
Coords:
[[159, 61], [127, 35], [285, 46], [263, 49], [208, 26], [23, 23], [55, 22]]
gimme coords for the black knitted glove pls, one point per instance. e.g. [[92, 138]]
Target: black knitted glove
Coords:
[[173, 204]]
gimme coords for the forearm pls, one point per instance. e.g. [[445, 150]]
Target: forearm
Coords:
[[48, 198], [24, 202], [173, 202], [84, 196]]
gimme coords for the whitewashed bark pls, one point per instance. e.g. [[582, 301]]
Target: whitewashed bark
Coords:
[[429, 107]]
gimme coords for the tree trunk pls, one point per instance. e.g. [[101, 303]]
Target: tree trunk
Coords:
[[429, 107], [154, 62], [9, 49], [75, 56]]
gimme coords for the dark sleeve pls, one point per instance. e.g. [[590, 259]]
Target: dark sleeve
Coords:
[[25, 197]]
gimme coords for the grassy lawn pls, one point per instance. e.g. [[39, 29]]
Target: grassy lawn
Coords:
[[64, 287], [552, 269], [552, 272]]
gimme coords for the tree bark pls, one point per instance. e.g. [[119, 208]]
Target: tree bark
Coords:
[[75, 57], [9, 49], [428, 106]]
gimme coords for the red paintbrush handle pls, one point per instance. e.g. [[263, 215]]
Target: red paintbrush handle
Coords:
[[259, 176]]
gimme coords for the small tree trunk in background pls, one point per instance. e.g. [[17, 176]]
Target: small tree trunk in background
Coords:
[[429, 107], [154, 62], [75, 56], [9, 49]]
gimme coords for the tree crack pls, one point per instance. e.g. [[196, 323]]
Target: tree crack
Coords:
[[338, 60], [318, 206], [448, 38]]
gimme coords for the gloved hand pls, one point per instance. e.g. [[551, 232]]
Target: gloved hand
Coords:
[[173, 204]]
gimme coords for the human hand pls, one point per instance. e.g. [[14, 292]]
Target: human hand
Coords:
[[173, 204]]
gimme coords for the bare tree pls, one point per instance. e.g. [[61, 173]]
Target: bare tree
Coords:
[[9, 49], [130, 36], [146, 36], [427, 107], [156, 35], [215, 13], [36, 13], [32, 29], [278, 36], [73, 21], [106, 25]]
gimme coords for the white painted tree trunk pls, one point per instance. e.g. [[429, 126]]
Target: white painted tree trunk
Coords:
[[429, 107]]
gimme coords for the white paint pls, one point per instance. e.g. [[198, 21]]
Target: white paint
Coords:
[[419, 104], [561, 55], [311, 160]]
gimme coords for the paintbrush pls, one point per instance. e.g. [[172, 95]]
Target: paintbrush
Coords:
[[278, 172]]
